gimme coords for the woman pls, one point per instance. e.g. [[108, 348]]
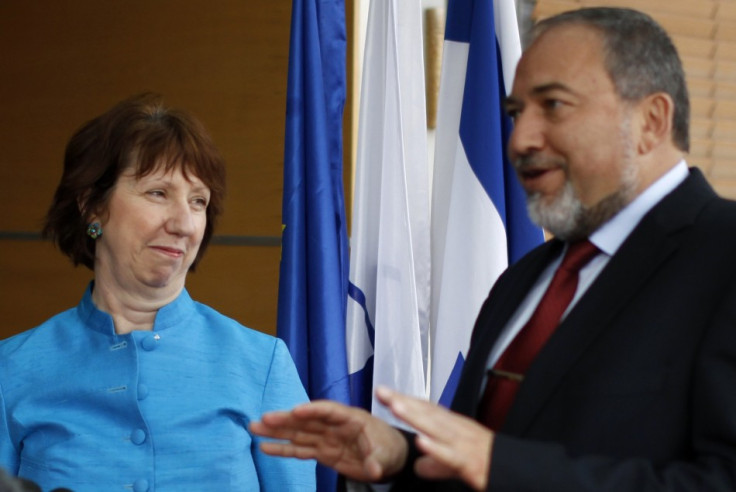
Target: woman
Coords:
[[140, 387]]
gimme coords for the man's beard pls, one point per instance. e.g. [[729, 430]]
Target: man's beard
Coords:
[[566, 217]]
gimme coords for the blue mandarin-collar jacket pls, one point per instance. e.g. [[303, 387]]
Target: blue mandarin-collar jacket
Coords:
[[84, 408]]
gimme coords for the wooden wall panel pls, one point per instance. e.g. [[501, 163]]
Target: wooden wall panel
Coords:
[[63, 63], [36, 283], [240, 282]]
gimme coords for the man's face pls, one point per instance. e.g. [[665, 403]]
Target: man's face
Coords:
[[572, 143]]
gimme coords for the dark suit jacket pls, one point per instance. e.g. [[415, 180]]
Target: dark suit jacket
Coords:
[[636, 389]]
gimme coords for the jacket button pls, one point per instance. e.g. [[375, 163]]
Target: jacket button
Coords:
[[138, 436], [150, 342], [140, 485], [142, 391]]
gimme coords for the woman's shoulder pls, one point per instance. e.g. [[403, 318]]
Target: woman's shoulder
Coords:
[[238, 345], [36, 350], [226, 326], [45, 333]]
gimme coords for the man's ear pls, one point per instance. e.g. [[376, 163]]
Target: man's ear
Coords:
[[656, 112]]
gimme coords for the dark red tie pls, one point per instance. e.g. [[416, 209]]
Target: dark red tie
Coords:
[[508, 373]]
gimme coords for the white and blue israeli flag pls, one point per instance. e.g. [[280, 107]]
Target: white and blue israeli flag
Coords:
[[479, 219]]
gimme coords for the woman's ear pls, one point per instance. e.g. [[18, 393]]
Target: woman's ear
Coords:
[[89, 216], [82, 206]]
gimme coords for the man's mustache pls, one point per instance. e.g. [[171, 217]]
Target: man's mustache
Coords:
[[538, 162]]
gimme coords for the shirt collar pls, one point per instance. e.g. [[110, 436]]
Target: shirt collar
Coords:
[[169, 315], [613, 233]]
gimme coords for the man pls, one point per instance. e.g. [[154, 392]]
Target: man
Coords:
[[635, 389]]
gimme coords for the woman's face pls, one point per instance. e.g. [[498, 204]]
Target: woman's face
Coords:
[[152, 231]]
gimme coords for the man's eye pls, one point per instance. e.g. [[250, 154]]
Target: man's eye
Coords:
[[512, 112], [552, 103]]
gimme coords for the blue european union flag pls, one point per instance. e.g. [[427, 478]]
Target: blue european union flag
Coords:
[[314, 259]]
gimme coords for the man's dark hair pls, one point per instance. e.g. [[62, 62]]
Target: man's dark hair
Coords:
[[639, 56]]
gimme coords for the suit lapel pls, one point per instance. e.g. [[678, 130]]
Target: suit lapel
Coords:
[[650, 245], [510, 289]]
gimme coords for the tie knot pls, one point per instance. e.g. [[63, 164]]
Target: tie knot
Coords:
[[578, 255]]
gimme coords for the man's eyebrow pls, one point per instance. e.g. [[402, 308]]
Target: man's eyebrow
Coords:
[[552, 86], [515, 102]]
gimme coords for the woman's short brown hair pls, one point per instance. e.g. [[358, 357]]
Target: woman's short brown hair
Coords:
[[140, 132]]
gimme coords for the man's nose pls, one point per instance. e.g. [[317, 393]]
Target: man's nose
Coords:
[[527, 135]]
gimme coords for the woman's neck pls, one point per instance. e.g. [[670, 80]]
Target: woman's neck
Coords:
[[130, 311]]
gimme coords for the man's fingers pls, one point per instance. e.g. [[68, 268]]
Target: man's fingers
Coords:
[[348, 439], [320, 417], [298, 434], [326, 411], [454, 445], [426, 418], [261, 429], [311, 436], [467, 458], [427, 467], [288, 450], [443, 454], [350, 465]]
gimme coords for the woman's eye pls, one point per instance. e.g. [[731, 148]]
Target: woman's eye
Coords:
[[200, 203]]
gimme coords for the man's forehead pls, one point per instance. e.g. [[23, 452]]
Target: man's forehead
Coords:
[[574, 30], [560, 44], [558, 56]]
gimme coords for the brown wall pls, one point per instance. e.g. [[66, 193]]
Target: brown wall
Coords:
[[62, 63]]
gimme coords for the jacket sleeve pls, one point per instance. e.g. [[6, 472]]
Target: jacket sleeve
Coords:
[[408, 480], [283, 390], [9, 460]]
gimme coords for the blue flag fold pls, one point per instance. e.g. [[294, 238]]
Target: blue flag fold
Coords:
[[314, 258]]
